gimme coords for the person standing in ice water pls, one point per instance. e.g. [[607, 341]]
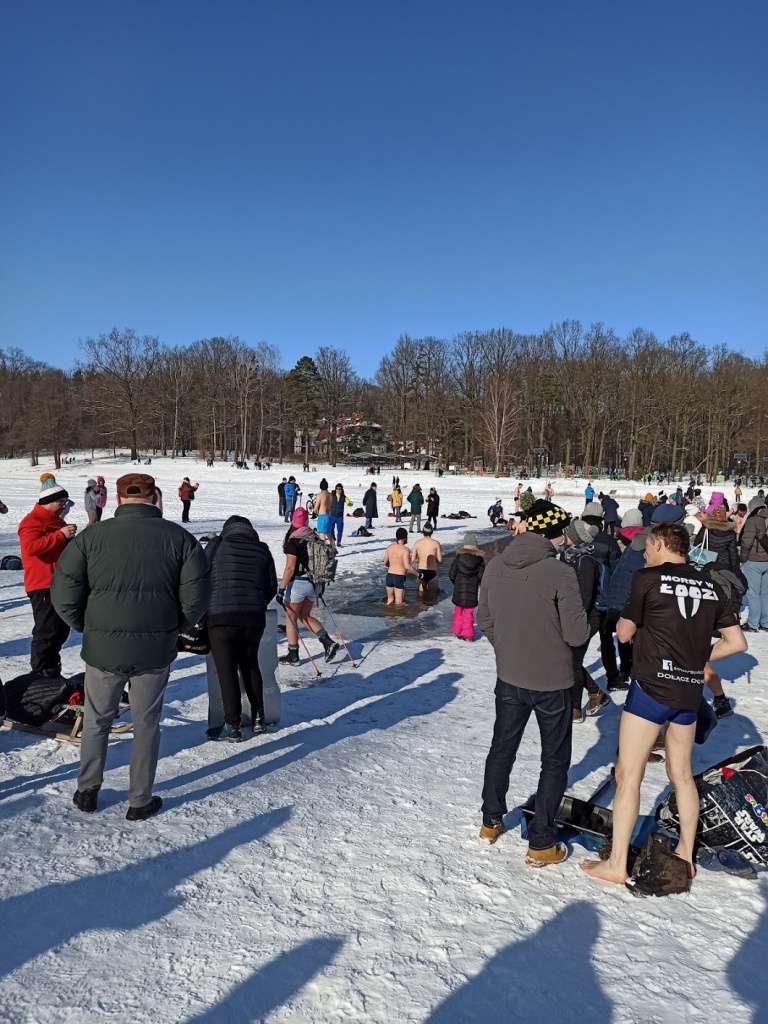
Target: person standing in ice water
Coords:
[[466, 574], [427, 554], [129, 587], [397, 559], [532, 613], [671, 614], [297, 591]]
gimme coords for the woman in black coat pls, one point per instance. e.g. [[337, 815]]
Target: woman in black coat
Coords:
[[433, 506], [243, 582]]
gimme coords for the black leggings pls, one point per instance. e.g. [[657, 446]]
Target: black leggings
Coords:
[[235, 651]]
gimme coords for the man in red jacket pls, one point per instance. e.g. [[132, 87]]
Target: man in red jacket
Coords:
[[43, 535]]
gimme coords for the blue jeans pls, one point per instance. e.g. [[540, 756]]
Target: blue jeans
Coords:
[[757, 595], [554, 714], [338, 528], [368, 522]]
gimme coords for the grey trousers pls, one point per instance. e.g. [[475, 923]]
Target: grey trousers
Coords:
[[103, 691], [415, 518]]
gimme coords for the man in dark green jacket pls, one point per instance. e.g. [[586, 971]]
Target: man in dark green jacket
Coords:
[[129, 584]]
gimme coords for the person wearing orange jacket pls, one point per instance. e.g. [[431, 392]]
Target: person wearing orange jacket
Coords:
[[43, 535], [187, 495]]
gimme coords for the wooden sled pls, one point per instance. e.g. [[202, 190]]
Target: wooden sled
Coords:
[[56, 727]]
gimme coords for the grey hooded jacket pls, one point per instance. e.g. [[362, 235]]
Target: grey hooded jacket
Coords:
[[532, 612]]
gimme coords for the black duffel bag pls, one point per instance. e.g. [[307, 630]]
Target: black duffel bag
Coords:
[[33, 700]]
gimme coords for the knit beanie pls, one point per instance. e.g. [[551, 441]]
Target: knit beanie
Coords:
[[547, 519], [648, 497], [692, 510], [632, 517], [756, 502], [527, 500], [593, 509], [323, 484], [300, 517], [580, 532], [50, 491], [470, 540], [667, 513]]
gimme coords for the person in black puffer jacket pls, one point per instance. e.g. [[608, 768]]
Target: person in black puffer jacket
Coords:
[[465, 573], [719, 536], [243, 582], [606, 553]]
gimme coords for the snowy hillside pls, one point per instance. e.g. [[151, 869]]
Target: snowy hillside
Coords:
[[329, 871]]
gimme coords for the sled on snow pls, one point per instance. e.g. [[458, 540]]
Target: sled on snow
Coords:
[[41, 705]]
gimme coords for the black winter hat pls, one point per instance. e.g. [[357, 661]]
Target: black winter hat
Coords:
[[547, 519]]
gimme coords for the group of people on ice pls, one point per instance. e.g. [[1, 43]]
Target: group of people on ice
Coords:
[[649, 581]]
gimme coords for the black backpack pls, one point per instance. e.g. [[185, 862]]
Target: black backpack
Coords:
[[732, 582]]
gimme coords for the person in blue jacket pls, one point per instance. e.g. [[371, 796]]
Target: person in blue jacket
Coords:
[[291, 493], [589, 492]]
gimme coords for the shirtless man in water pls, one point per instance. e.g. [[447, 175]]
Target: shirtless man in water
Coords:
[[428, 554], [323, 510], [397, 559]]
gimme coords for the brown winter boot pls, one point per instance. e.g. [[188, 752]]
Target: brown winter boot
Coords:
[[490, 833], [554, 854]]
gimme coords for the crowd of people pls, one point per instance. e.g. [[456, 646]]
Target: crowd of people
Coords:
[[648, 581]]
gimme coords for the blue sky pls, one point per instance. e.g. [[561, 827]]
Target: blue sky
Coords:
[[337, 172]]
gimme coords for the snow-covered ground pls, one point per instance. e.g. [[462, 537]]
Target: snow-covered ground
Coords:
[[329, 870]]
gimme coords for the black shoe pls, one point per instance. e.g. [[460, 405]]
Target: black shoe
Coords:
[[722, 707], [291, 658], [142, 813], [616, 684], [750, 629], [225, 734], [85, 800], [258, 725], [331, 650], [763, 629]]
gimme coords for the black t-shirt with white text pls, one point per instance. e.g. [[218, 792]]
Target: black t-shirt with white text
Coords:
[[676, 612]]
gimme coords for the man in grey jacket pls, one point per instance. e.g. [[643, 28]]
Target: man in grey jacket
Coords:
[[532, 613]]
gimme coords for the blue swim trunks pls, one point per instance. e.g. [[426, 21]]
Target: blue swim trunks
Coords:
[[640, 703], [325, 524]]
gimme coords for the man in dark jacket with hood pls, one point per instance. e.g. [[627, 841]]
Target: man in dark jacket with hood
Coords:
[[531, 611], [611, 517], [243, 582], [370, 504], [129, 585]]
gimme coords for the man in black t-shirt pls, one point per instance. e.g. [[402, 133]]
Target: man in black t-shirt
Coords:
[[672, 614]]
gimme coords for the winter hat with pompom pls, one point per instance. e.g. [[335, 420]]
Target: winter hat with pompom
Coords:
[[470, 540], [50, 491]]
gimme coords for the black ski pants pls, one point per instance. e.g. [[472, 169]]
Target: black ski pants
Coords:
[[235, 651], [48, 635], [185, 511], [582, 678]]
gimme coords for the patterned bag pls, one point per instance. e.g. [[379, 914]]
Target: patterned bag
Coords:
[[733, 805]]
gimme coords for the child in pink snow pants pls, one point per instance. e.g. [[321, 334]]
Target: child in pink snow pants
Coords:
[[465, 573]]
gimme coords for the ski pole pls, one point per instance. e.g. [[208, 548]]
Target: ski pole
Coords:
[[338, 631], [301, 639]]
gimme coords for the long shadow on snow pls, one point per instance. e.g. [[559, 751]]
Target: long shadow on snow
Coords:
[[746, 971], [297, 706], [542, 978], [120, 900], [382, 714], [273, 984]]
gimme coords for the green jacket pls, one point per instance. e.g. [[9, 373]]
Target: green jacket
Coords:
[[129, 584], [416, 501]]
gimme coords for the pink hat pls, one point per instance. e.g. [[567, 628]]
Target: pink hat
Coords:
[[300, 517]]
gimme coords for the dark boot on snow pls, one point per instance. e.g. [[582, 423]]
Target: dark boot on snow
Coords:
[[330, 646], [86, 799], [225, 734], [292, 657], [142, 813], [658, 872]]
